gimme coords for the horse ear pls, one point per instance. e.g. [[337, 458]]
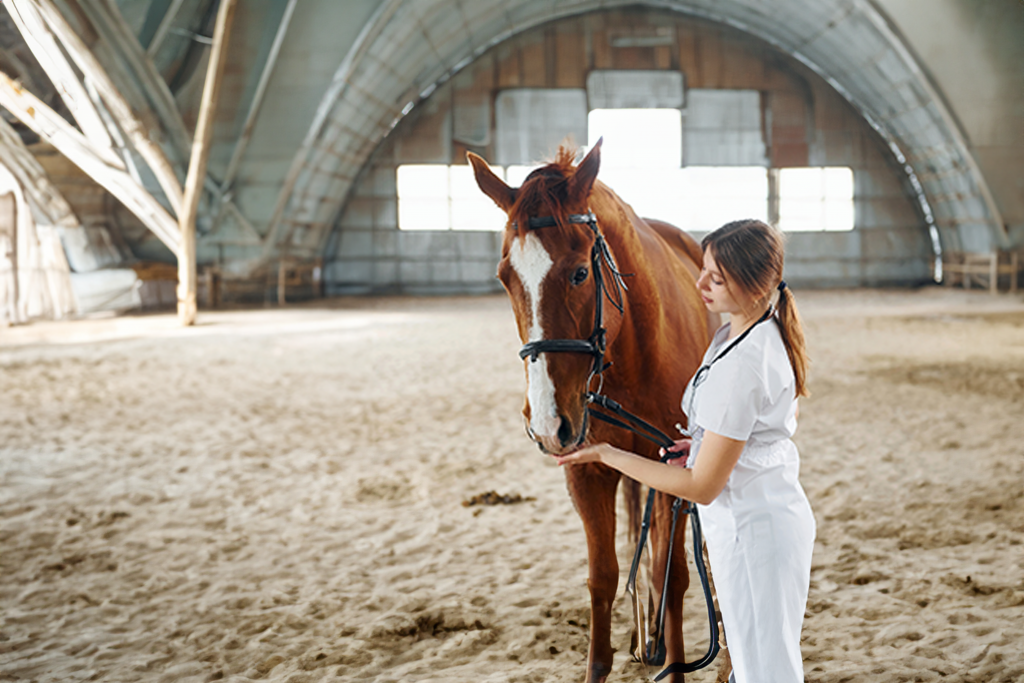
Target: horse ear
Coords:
[[582, 182], [490, 184]]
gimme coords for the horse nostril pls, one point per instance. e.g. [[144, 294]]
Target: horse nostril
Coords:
[[564, 431]]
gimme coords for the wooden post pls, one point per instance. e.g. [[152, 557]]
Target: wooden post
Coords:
[[993, 273], [1013, 272], [282, 272], [318, 277], [197, 165]]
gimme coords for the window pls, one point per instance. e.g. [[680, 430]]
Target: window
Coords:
[[715, 195], [423, 202], [815, 199], [637, 138], [641, 160], [442, 197]]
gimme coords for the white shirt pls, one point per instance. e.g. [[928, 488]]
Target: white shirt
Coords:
[[749, 394]]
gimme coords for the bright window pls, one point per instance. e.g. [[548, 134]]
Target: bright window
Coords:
[[716, 195], [813, 199], [638, 138], [442, 197], [423, 202], [641, 160]]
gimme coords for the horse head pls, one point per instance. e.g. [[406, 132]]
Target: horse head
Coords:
[[554, 282]]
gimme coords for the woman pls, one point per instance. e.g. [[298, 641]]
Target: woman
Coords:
[[742, 467]]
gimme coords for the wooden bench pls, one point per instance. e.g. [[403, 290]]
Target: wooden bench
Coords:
[[982, 269], [291, 272]]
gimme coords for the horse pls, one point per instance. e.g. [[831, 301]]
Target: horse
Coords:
[[643, 352]]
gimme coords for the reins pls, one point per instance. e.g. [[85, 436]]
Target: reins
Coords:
[[650, 649]]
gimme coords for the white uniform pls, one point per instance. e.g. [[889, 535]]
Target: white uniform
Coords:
[[760, 529]]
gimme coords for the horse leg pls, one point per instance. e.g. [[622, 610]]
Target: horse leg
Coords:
[[592, 488], [679, 577]]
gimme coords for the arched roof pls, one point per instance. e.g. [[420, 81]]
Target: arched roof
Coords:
[[409, 48]]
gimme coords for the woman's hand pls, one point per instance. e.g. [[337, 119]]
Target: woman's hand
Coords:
[[589, 454], [682, 446]]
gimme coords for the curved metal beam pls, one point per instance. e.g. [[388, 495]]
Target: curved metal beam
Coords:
[[886, 85], [339, 84]]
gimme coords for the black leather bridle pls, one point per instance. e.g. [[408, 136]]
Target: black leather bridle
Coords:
[[597, 343], [649, 650]]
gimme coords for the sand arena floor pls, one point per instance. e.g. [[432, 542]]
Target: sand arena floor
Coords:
[[277, 495]]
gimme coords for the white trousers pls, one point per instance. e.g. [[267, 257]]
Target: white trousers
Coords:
[[760, 535]]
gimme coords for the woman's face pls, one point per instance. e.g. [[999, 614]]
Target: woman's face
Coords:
[[719, 293]]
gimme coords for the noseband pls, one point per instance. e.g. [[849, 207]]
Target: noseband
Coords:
[[600, 257]]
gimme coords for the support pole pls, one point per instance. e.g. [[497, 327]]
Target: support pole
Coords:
[[197, 165]]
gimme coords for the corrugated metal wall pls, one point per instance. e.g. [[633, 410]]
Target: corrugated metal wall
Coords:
[[806, 123]]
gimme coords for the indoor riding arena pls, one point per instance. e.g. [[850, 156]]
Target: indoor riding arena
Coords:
[[261, 392]]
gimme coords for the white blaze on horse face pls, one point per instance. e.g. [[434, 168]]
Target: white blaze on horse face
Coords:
[[531, 262]]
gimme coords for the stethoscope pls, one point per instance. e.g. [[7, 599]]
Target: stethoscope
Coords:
[[702, 371]]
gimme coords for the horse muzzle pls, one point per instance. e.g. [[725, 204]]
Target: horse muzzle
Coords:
[[565, 437]]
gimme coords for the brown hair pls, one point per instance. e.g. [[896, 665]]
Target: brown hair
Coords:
[[751, 253]]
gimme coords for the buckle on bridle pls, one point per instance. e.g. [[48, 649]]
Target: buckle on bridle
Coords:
[[600, 342]]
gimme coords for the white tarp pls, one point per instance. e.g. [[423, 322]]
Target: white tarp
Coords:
[[35, 278], [34, 274], [111, 289]]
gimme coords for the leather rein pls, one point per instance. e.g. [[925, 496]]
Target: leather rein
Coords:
[[649, 650]]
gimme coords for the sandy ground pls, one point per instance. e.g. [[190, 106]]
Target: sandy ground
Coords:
[[277, 495]]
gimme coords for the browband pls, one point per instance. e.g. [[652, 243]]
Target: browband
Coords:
[[550, 222]]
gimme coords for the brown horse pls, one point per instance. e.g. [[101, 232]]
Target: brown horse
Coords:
[[654, 345]]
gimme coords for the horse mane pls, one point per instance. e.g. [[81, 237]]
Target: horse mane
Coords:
[[546, 185]]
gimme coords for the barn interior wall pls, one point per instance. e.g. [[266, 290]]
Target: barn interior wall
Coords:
[[807, 123], [981, 81], [319, 35]]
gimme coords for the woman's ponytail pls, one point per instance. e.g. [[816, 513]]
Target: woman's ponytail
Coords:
[[792, 331]]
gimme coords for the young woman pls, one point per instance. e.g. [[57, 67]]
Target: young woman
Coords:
[[741, 466]]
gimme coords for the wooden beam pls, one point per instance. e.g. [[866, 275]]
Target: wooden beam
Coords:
[[33, 179], [197, 164], [46, 51], [106, 19], [48, 125], [116, 104]]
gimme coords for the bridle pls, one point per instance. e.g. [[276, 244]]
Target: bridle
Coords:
[[597, 343], [650, 649]]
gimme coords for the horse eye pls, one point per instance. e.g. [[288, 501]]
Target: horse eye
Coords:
[[580, 276]]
